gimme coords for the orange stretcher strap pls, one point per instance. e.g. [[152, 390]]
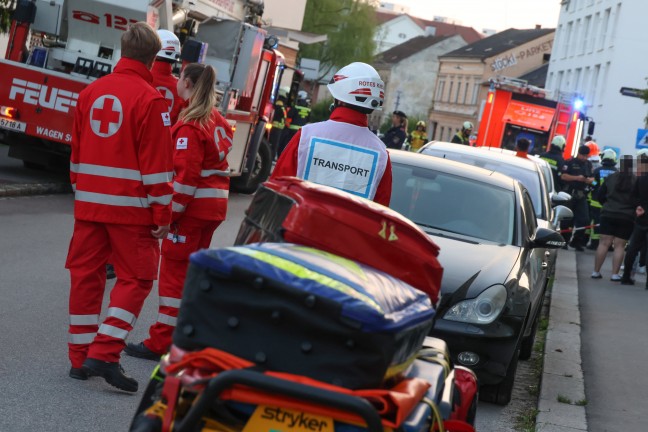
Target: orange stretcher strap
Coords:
[[393, 404]]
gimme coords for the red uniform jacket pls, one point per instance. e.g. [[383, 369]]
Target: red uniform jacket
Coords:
[[122, 155], [201, 182], [287, 163], [167, 84]]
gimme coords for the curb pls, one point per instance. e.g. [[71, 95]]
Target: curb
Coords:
[[27, 189], [562, 375]]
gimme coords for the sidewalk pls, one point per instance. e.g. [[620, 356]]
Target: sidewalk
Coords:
[[562, 387]]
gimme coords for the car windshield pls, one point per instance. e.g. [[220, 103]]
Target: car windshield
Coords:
[[529, 178], [441, 201]]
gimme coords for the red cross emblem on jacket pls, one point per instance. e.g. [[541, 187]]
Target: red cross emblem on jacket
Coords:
[[106, 115]]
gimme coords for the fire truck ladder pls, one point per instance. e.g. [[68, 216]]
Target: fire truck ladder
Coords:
[[564, 107]]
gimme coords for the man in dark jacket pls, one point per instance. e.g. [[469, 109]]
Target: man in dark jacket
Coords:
[[396, 135], [608, 166], [554, 158], [577, 176], [463, 136]]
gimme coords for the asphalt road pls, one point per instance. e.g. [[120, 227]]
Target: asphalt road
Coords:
[[614, 321]]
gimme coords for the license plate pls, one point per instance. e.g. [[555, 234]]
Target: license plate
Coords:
[[274, 419], [12, 125]]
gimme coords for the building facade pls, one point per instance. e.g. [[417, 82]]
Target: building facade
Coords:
[[599, 49], [463, 79], [406, 88]]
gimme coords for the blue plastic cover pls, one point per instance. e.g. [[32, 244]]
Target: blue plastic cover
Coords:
[[375, 300]]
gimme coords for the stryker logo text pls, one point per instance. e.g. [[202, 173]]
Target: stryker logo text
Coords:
[[42, 95], [292, 420]]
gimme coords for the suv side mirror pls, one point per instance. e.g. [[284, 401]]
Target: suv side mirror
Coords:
[[549, 239], [561, 213], [559, 198], [590, 128]]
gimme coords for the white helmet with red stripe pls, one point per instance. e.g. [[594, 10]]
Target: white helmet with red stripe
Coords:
[[170, 45], [358, 84]]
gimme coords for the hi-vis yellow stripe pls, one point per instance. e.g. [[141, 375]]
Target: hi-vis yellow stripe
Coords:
[[305, 273]]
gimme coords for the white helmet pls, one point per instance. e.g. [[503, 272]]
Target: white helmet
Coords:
[[609, 154], [559, 141], [170, 45], [358, 84], [467, 125]]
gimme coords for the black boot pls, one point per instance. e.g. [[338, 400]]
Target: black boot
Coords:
[[141, 351], [110, 271], [112, 372], [78, 373]]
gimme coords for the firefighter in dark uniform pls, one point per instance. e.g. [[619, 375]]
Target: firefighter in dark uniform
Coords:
[[297, 117], [554, 158], [395, 137], [278, 121], [608, 166], [463, 136], [577, 177]]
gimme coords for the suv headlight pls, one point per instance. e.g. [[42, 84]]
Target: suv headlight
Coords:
[[483, 309]]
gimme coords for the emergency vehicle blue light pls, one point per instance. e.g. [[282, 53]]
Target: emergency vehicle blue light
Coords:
[[578, 104]]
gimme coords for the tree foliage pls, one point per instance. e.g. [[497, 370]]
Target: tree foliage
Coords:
[[350, 26], [6, 7]]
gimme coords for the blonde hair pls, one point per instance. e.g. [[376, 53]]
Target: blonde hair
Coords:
[[140, 42], [203, 97]]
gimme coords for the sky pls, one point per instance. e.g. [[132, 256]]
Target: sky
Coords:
[[488, 14]]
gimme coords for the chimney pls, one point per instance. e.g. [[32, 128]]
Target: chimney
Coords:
[[430, 31], [538, 26]]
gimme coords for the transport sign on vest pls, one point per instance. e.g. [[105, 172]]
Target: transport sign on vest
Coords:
[[341, 165]]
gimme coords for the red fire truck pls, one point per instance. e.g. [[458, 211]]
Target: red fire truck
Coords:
[[57, 47], [516, 109]]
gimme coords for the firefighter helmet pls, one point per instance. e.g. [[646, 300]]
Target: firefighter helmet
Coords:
[[358, 84], [467, 125], [594, 148], [609, 154], [170, 45], [559, 141], [420, 123]]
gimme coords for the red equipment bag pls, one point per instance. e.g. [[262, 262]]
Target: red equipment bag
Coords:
[[288, 209]]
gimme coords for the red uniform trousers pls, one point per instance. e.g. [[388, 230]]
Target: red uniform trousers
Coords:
[[190, 235], [135, 255]]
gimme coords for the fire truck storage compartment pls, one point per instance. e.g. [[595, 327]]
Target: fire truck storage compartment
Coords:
[[49, 16], [234, 52]]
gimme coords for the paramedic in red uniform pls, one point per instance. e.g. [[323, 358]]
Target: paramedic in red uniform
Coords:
[[342, 152], [121, 168], [163, 79], [202, 138]]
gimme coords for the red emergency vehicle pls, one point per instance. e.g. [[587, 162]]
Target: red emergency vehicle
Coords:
[[516, 109], [57, 47]]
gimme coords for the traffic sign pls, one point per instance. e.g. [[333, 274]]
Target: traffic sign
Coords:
[[632, 92], [642, 139]]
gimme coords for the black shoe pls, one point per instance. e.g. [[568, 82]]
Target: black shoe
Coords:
[[78, 374], [110, 272], [140, 351], [627, 281], [112, 372]]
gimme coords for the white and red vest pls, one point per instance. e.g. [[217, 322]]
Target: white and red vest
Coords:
[[343, 156]]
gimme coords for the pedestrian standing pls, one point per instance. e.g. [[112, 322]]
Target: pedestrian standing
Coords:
[[318, 151], [297, 117], [577, 176], [522, 148], [418, 137], [554, 157], [607, 167], [120, 169], [617, 217], [395, 137], [639, 237], [202, 138], [463, 136], [163, 79]]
